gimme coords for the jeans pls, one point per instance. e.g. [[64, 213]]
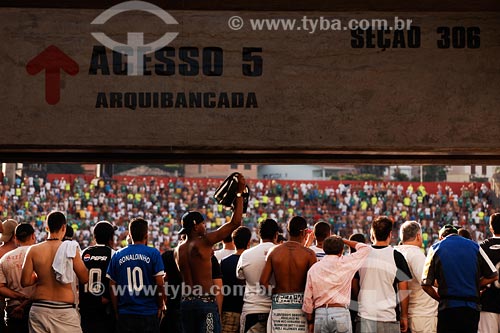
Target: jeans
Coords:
[[458, 320], [199, 316], [332, 320]]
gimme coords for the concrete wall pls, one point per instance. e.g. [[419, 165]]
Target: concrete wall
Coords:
[[316, 93]]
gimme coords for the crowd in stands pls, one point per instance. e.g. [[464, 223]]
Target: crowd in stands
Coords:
[[349, 207]]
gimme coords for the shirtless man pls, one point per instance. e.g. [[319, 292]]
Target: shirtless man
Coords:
[[289, 262], [53, 308], [198, 307]]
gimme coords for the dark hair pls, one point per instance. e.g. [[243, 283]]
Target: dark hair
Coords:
[[268, 229], [138, 228], [464, 233], [296, 225], [69, 233], [382, 227], [103, 232], [333, 245], [55, 221], [447, 230], [281, 239], [495, 223], [321, 230], [23, 232], [357, 238], [241, 237], [409, 231], [228, 239]]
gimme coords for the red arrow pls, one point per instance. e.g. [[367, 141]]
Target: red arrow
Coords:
[[52, 59]]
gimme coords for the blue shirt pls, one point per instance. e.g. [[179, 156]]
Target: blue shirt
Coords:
[[134, 269], [457, 264]]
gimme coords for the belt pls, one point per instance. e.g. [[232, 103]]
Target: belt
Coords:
[[203, 298], [332, 305], [53, 305]]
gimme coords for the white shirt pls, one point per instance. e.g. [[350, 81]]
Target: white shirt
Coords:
[[10, 273], [377, 297], [421, 304], [250, 266], [320, 253], [221, 254]]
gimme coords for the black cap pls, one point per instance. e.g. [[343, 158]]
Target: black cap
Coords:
[[189, 220], [446, 230]]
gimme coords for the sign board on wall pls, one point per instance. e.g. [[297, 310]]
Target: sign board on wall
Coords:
[[136, 76]]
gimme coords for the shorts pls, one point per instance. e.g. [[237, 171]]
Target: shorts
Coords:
[[253, 322], [371, 326], [49, 316], [230, 322], [286, 314]]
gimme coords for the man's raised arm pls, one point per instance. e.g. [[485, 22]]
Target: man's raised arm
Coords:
[[226, 230]]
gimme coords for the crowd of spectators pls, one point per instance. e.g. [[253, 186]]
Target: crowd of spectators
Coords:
[[349, 207]]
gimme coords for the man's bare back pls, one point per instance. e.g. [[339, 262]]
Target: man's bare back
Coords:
[[290, 262], [39, 258], [37, 269]]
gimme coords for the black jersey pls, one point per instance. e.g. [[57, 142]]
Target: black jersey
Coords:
[[96, 259], [490, 298]]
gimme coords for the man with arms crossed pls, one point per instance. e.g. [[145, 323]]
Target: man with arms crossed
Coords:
[[422, 309], [53, 308], [289, 262], [199, 308], [328, 288]]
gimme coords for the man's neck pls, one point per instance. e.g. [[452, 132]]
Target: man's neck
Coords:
[[414, 243], [296, 239], [239, 251], [228, 246], [55, 235], [319, 245], [381, 243]]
